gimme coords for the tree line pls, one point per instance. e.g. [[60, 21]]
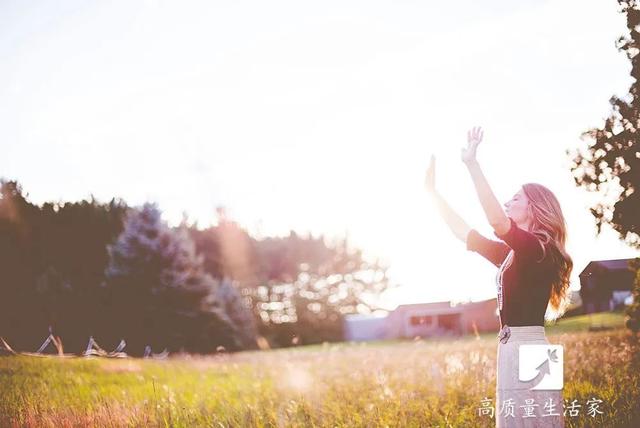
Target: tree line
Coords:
[[115, 272]]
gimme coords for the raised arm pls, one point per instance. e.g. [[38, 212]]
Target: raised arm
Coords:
[[494, 251], [457, 225], [492, 208]]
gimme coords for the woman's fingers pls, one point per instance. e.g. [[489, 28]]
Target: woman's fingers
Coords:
[[474, 135]]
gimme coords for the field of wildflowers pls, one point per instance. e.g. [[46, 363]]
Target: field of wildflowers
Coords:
[[443, 383]]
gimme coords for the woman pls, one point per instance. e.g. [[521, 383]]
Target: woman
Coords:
[[533, 276]]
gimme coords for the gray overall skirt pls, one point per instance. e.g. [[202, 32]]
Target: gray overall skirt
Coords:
[[516, 404]]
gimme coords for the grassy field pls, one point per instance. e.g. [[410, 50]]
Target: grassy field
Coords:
[[419, 383], [584, 322]]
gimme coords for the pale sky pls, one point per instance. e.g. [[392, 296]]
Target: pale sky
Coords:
[[313, 116]]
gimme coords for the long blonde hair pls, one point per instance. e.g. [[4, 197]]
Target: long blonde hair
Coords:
[[548, 224]]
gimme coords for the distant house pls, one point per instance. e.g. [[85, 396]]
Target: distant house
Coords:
[[425, 320], [606, 285]]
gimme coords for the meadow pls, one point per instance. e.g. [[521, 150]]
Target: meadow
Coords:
[[412, 383]]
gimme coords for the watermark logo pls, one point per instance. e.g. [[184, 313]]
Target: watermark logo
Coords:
[[542, 365]]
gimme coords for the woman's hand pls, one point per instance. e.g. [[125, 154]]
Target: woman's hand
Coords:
[[474, 137], [492, 208], [430, 179]]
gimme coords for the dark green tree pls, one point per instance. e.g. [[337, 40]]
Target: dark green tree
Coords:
[[72, 240], [52, 260], [610, 164], [332, 280], [23, 317], [159, 292], [237, 307]]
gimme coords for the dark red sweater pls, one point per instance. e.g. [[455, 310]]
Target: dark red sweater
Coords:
[[526, 284]]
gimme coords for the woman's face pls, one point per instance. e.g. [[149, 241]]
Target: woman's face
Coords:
[[516, 208]]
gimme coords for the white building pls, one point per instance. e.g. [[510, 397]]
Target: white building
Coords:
[[425, 320]]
